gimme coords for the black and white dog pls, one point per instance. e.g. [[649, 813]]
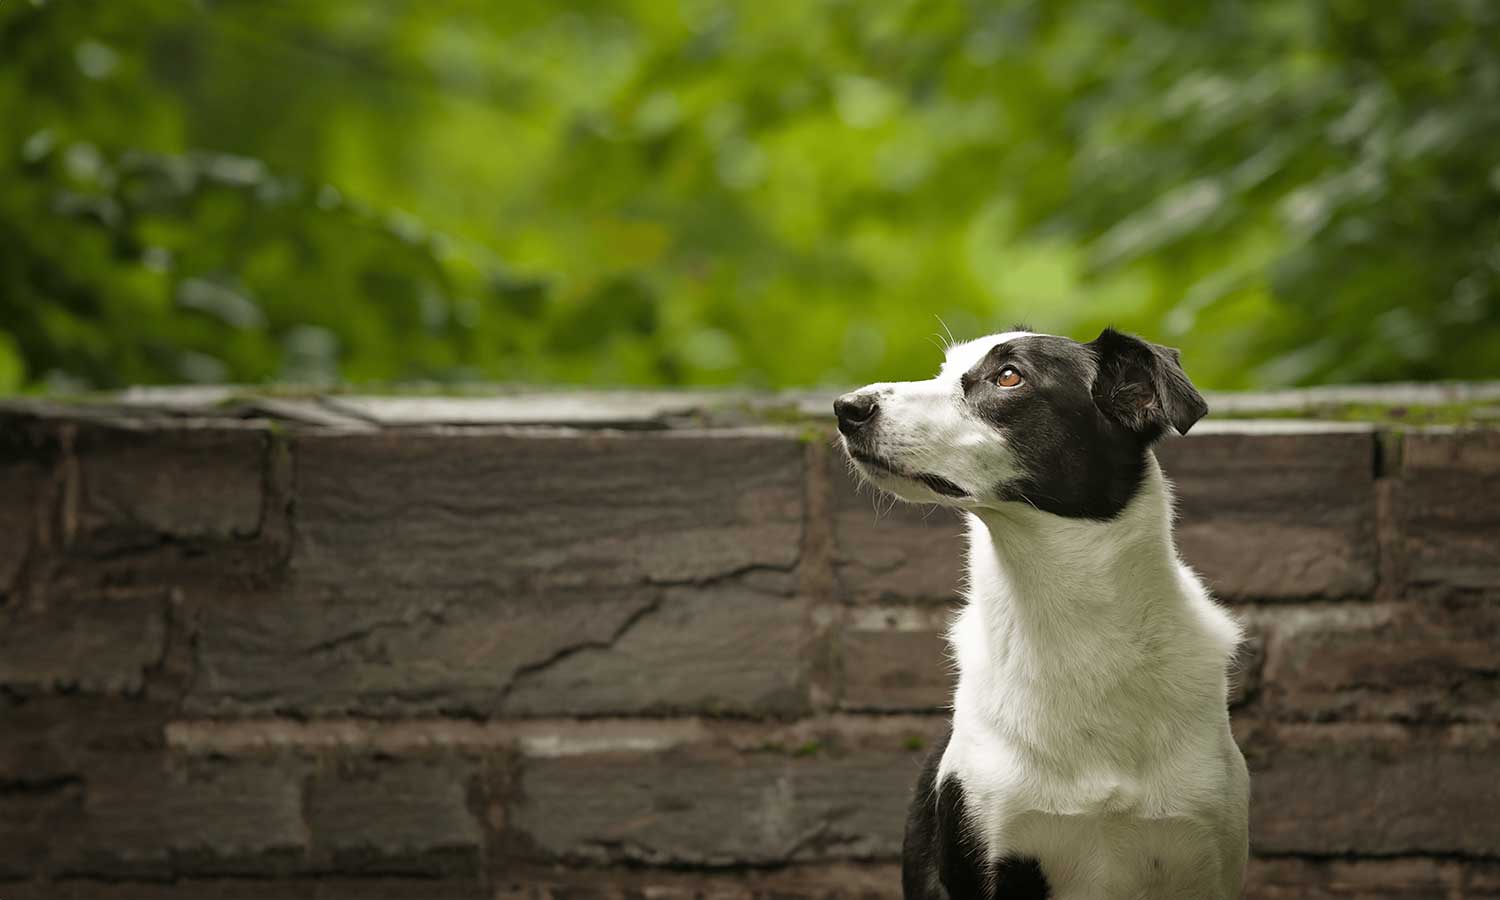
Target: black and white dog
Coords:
[[1090, 754]]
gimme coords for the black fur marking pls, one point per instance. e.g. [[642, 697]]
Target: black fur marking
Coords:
[[941, 859], [1142, 385], [1020, 878], [941, 485], [1082, 420]]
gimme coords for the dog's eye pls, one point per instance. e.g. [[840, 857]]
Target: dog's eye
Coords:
[[1009, 377]]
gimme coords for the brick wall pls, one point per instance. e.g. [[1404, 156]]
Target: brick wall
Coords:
[[340, 648]]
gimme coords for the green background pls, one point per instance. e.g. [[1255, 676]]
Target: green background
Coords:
[[764, 193]]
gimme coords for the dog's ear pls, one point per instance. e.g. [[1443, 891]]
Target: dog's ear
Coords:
[[1142, 386]]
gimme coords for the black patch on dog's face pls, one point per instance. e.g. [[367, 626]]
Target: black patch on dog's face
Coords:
[[1081, 421]]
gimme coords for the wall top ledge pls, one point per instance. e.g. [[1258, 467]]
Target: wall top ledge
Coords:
[[1352, 408]]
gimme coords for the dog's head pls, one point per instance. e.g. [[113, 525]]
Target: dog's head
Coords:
[[1023, 418]]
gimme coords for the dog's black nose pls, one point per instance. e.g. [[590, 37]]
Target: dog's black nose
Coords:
[[854, 411]]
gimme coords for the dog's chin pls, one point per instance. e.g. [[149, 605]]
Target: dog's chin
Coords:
[[905, 484]]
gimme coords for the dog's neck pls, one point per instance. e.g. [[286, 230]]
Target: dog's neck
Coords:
[[1074, 625], [1044, 569]]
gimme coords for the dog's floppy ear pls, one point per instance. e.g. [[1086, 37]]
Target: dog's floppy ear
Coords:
[[1142, 386]]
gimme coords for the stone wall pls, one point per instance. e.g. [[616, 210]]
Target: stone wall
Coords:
[[639, 646]]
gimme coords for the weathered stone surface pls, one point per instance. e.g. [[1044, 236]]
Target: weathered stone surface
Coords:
[[21, 486], [153, 814], [876, 881], [1378, 791], [1482, 879], [49, 739], [138, 485], [825, 881], [91, 642], [253, 888], [1450, 510], [896, 658], [1276, 516], [330, 652], [528, 574], [387, 816], [884, 552], [703, 808], [1351, 661], [525, 509], [36, 824], [1375, 879], [726, 648]]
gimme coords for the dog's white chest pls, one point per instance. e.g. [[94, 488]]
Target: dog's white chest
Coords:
[[1112, 856], [1101, 832]]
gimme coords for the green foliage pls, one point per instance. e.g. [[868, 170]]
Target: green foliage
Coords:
[[777, 193]]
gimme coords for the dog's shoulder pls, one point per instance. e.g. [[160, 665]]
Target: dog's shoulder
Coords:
[[943, 858]]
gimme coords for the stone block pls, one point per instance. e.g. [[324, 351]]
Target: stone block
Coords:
[[723, 648], [37, 823], [52, 739], [22, 485], [896, 658], [825, 881], [93, 642], [137, 486], [1355, 790], [521, 511], [1416, 664], [1363, 879], [1276, 516], [386, 816], [707, 808], [1449, 511], [147, 815]]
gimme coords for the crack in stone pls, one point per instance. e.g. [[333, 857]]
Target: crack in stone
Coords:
[[817, 838], [727, 575], [526, 670], [435, 617]]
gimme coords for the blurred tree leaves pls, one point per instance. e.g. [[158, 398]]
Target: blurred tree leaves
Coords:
[[777, 193]]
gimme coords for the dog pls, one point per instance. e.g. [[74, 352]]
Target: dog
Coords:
[[1089, 753]]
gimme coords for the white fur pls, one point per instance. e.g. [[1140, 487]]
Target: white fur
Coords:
[[1090, 722], [1090, 725]]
